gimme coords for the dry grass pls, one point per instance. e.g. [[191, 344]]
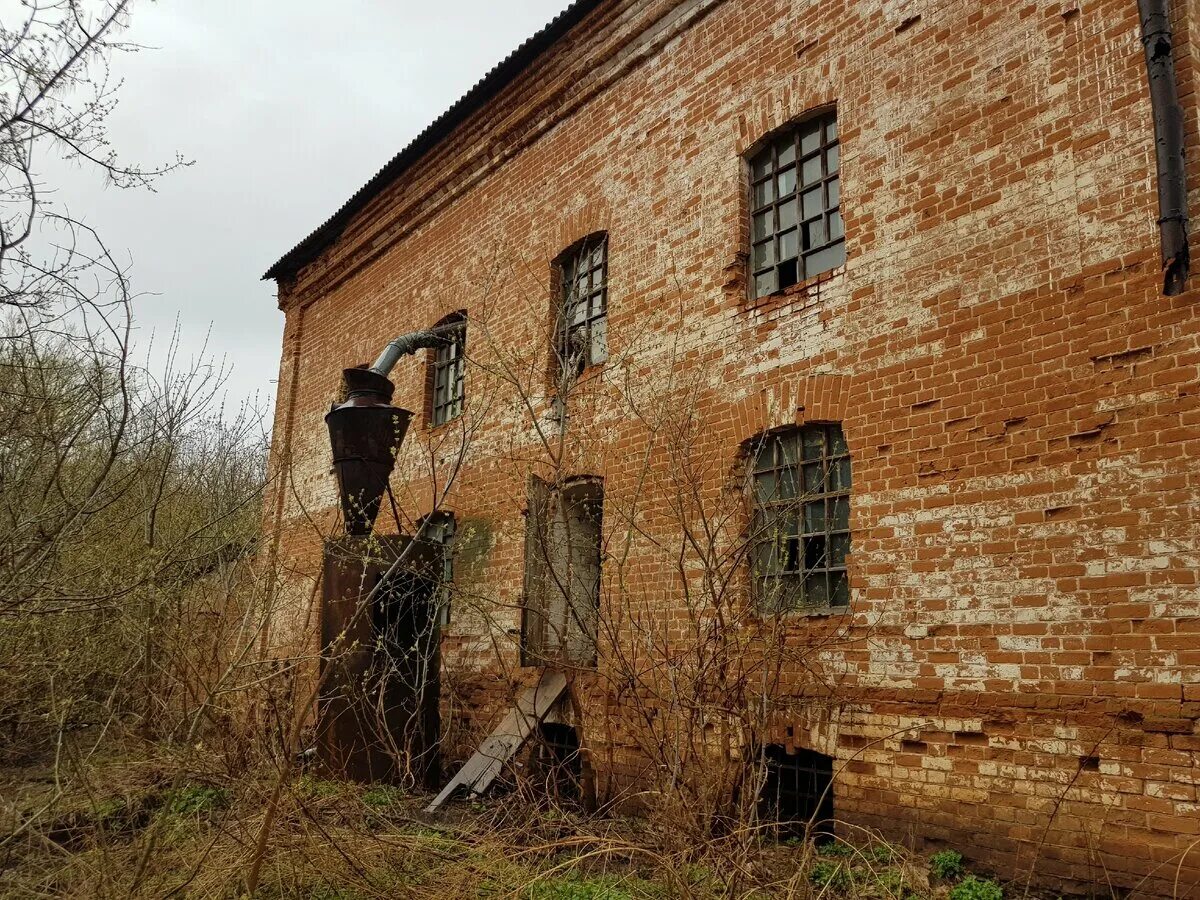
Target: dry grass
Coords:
[[87, 834]]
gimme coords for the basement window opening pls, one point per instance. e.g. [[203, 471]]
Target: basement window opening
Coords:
[[582, 338], [558, 761], [796, 228], [798, 789]]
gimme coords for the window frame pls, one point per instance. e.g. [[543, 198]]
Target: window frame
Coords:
[[559, 625], [448, 357], [585, 261], [826, 254], [802, 547], [441, 528]]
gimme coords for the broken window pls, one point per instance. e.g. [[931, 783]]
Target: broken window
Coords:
[[796, 228], [800, 526], [447, 372], [797, 790], [562, 572], [439, 528], [582, 338]]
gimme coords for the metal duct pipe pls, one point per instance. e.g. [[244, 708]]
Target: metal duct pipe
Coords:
[[366, 431], [1168, 144], [410, 343]]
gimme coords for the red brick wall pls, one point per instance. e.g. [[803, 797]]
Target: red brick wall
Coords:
[[1020, 672]]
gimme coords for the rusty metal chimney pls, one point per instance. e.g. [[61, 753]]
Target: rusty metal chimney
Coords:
[[365, 433]]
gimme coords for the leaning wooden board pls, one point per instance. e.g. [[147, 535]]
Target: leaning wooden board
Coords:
[[483, 767]]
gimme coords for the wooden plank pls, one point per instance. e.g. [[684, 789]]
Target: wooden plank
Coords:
[[483, 767]]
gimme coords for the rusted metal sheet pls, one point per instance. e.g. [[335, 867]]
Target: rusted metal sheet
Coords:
[[378, 709]]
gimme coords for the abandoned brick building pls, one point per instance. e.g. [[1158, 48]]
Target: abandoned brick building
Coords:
[[829, 345]]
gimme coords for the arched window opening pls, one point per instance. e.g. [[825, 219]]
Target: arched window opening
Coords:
[[447, 370], [800, 527], [796, 229]]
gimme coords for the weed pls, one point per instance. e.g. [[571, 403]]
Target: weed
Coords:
[[381, 796], [947, 864], [831, 874], [329, 892], [195, 800], [883, 854], [312, 788], [576, 887], [835, 850], [972, 888]]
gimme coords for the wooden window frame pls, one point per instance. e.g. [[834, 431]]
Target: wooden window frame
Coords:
[[796, 232], [558, 626], [447, 373], [440, 528], [581, 333]]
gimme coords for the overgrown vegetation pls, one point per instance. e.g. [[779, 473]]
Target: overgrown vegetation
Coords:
[[339, 840]]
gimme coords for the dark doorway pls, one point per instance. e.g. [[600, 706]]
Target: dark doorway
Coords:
[[558, 761], [798, 789]]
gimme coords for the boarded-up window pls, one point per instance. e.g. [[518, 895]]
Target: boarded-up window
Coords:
[[562, 573]]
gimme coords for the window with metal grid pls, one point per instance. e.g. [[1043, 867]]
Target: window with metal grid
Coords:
[[583, 320], [797, 791], [800, 527], [796, 228], [448, 371]]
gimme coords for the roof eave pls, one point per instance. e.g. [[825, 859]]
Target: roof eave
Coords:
[[325, 235]]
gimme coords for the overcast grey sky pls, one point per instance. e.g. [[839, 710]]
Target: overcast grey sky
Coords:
[[287, 107]]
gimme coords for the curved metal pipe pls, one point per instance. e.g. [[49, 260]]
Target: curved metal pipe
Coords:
[[410, 343], [1168, 144]]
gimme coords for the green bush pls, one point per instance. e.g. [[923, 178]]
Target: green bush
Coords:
[[972, 888], [947, 864]]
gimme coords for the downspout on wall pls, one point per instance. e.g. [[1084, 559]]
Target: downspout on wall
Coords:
[[1168, 144]]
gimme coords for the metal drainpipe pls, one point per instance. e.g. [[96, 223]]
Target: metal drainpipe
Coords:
[[1168, 144]]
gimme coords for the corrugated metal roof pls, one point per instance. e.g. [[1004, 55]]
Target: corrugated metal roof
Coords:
[[484, 90]]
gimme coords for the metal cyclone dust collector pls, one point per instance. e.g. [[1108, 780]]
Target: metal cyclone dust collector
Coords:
[[365, 432]]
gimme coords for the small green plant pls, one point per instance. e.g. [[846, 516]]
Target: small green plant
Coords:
[[947, 864], [835, 850], [194, 800], [827, 873], [312, 788], [575, 887], [884, 854], [381, 796], [972, 888]]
